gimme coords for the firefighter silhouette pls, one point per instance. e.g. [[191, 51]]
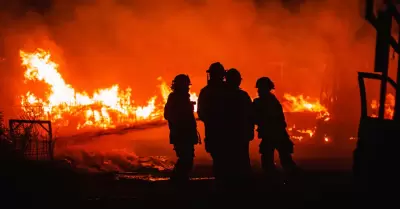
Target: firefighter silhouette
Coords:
[[211, 110], [179, 112], [240, 122], [271, 128]]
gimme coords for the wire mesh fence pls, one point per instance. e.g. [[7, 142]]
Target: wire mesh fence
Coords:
[[32, 138]]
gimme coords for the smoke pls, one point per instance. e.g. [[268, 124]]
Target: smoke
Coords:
[[124, 153], [134, 42], [118, 152], [299, 44], [113, 161]]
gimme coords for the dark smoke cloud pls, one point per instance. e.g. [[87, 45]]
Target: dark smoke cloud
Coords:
[[102, 42], [99, 43]]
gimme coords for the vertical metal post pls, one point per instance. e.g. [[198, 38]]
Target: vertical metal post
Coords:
[[37, 148], [396, 115], [383, 26], [51, 142]]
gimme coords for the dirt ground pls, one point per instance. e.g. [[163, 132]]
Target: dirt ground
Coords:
[[326, 181], [327, 188], [119, 148]]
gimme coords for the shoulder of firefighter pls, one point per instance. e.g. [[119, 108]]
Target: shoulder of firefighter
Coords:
[[245, 96], [239, 114], [246, 103], [268, 116], [201, 106], [208, 100], [279, 111], [249, 115], [179, 108], [181, 121], [168, 106], [256, 110], [256, 105]]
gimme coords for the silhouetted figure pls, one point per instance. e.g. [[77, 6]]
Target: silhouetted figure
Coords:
[[179, 112], [211, 110], [271, 128], [240, 122]]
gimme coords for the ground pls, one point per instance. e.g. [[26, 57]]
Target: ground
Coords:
[[315, 188], [326, 181], [119, 149]]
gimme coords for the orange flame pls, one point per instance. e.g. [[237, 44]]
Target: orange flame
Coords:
[[389, 107], [106, 108], [304, 104], [301, 104]]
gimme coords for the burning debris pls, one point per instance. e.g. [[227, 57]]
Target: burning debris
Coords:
[[304, 116], [111, 107], [116, 160], [114, 108], [105, 109], [136, 176]]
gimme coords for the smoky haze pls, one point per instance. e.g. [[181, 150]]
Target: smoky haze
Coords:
[[131, 43], [302, 46]]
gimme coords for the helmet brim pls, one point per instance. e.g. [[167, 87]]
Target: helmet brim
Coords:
[[257, 87], [222, 72]]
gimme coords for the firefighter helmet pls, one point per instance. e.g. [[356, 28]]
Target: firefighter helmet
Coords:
[[265, 82], [233, 76], [181, 80], [216, 68]]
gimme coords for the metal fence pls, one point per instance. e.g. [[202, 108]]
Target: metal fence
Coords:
[[32, 138]]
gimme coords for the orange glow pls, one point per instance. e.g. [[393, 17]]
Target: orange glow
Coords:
[[94, 45], [293, 131], [389, 107], [105, 108], [326, 139], [110, 107], [304, 104], [308, 131]]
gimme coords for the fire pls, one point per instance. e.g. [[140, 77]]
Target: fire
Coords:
[[301, 104], [193, 97], [326, 139], [304, 104], [298, 134], [109, 107], [389, 107], [307, 131], [105, 108]]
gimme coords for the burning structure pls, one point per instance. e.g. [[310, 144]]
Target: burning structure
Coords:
[[238, 34], [62, 105], [112, 107]]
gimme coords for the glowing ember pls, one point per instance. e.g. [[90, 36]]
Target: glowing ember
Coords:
[[308, 131], [301, 104], [299, 134], [326, 139], [106, 108]]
